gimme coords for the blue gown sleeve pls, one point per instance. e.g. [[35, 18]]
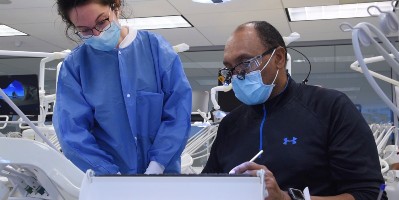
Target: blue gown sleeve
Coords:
[[175, 125], [73, 120]]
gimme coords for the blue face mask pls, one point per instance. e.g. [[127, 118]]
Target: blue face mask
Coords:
[[107, 40], [252, 90]]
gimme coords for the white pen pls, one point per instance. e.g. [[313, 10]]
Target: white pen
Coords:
[[258, 154]]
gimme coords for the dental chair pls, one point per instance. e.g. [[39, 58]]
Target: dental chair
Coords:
[[36, 171]]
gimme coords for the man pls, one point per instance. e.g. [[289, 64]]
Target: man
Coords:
[[311, 136]]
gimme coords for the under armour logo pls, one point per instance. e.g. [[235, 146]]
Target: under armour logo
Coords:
[[293, 141]]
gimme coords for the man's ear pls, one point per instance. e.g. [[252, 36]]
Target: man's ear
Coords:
[[280, 57]]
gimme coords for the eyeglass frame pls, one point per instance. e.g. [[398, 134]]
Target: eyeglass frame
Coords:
[[81, 36], [229, 72]]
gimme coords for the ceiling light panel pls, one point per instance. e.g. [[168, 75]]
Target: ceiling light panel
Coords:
[[336, 11], [150, 23], [8, 31]]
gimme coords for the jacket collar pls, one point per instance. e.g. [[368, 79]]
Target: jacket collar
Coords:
[[278, 101]]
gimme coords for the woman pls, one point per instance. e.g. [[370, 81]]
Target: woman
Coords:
[[123, 100]]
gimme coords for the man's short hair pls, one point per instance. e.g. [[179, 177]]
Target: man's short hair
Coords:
[[269, 35]]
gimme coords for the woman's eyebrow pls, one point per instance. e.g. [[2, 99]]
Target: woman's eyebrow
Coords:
[[100, 15]]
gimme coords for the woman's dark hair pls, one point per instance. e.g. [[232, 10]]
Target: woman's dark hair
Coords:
[[65, 6], [269, 35]]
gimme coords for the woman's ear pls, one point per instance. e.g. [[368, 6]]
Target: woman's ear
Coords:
[[116, 5], [117, 13], [116, 8]]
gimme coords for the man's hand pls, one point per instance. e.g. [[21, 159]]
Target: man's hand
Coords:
[[271, 184]]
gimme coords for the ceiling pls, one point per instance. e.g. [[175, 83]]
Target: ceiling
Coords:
[[212, 25]]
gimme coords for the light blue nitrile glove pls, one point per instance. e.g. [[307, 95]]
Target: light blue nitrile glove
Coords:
[[154, 168]]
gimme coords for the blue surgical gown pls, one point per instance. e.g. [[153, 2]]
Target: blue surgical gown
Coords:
[[116, 111]]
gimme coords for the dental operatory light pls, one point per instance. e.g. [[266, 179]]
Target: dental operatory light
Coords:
[[211, 1], [335, 11], [8, 31], [150, 23]]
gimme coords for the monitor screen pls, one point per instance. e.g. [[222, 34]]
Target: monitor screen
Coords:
[[23, 90]]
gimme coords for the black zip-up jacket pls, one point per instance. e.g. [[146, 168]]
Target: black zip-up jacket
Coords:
[[312, 137]]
